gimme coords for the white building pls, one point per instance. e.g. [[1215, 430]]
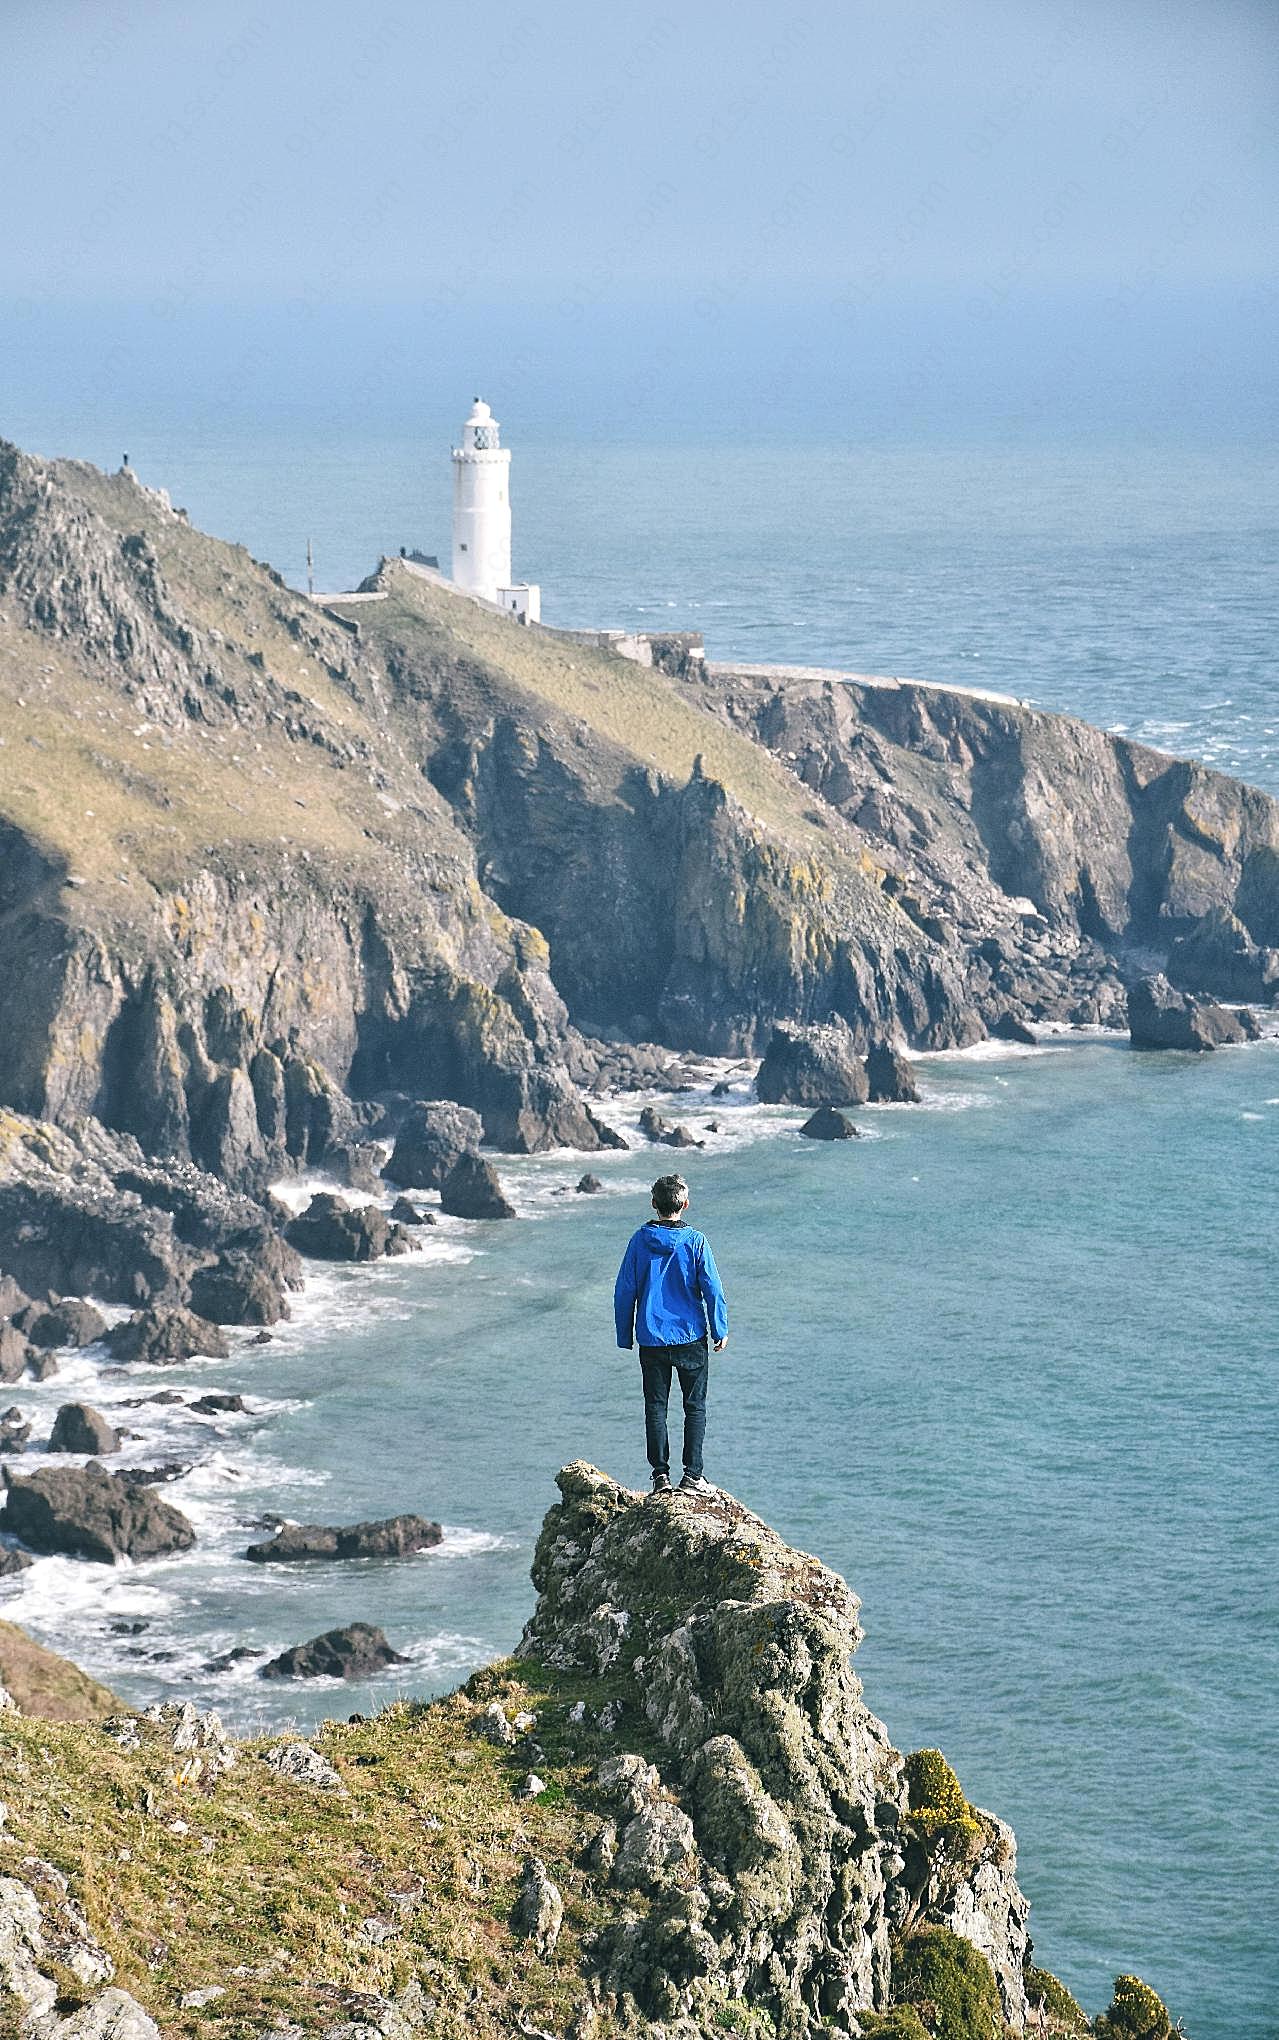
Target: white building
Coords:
[[482, 519]]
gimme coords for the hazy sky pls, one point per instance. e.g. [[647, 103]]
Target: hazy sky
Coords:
[[570, 168]]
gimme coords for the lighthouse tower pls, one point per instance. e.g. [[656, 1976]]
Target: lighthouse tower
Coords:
[[482, 506]]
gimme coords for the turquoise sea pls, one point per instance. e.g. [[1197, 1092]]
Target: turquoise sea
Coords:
[[1009, 1363]]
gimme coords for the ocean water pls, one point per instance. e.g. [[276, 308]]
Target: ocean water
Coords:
[[1009, 1363]]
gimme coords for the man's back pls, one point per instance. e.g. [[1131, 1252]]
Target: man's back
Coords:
[[668, 1287]]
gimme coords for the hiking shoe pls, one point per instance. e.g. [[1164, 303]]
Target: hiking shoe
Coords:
[[661, 1483], [696, 1484]]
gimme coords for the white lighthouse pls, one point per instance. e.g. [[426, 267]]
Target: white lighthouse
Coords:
[[482, 518]]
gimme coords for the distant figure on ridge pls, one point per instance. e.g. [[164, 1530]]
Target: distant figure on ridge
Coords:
[[668, 1290]]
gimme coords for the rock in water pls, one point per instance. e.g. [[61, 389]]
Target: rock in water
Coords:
[[432, 1137], [395, 1537], [69, 1323], [405, 1212], [681, 1137], [652, 1125], [890, 1076], [1009, 1028], [15, 1352], [79, 1428], [244, 1287], [159, 1335], [1160, 1017], [812, 1066], [472, 1189], [354, 1652], [89, 1513], [332, 1230], [828, 1124], [589, 1185]]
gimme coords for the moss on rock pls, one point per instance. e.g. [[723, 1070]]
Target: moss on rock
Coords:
[[950, 1983]]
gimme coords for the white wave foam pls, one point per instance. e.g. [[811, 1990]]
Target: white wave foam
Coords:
[[461, 1542]]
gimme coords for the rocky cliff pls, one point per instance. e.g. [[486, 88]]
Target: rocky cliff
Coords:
[[670, 1815], [270, 871]]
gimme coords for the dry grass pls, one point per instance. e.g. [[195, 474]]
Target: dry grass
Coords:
[[260, 1885]]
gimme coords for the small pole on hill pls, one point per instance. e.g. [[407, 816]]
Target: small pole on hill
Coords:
[[310, 569]]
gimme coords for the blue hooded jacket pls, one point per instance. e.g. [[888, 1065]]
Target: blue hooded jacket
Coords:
[[667, 1288]]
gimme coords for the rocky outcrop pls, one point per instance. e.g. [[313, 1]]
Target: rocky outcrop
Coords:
[[472, 1189], [1219, 952], [358, 1651], [330, 1229], [395, 1537], [80, 1428], [157, 1337], [772, 1830], [1161, 1017], [89, 1513], [83, 1210], [812, 1066], [432, 1137]]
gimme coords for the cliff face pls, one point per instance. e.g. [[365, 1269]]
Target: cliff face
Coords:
[[262, 863], [1049, 860], [671, 1812]]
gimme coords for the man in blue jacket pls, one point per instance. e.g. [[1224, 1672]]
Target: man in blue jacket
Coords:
[[668, 1288]]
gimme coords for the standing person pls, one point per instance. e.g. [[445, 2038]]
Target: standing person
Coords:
[[667, 1290]]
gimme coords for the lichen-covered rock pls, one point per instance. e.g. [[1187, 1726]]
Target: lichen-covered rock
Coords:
[[112, 2015], [22, 1950], [304, 1764], [539, 1907], [767, 1839]]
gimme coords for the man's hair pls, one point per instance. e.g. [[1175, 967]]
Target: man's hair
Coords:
[[670, 1194]]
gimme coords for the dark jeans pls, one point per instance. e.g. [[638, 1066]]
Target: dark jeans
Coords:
[[692, 1363]]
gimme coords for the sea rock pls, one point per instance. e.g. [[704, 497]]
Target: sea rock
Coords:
[[42, 1364], [890, 1076], [218, 1404], [166, 1333], [812, 1066], [332, 1230], [721, 1089], [472, 1189], [69, 1323], [12, 1299], [247, 1285], [356, 1651], [1161, 1017], [80, 1428], [15, 1351], [652, 1125], [681, 1137], [304, 1764], [395, 1537], [154, 1476], [588, 1185], [405, 1212], [13, 1559], [433, 1136], [828, 1124], [89, 1513], [15, 1429], [538, 1912], [1009, 1028]]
